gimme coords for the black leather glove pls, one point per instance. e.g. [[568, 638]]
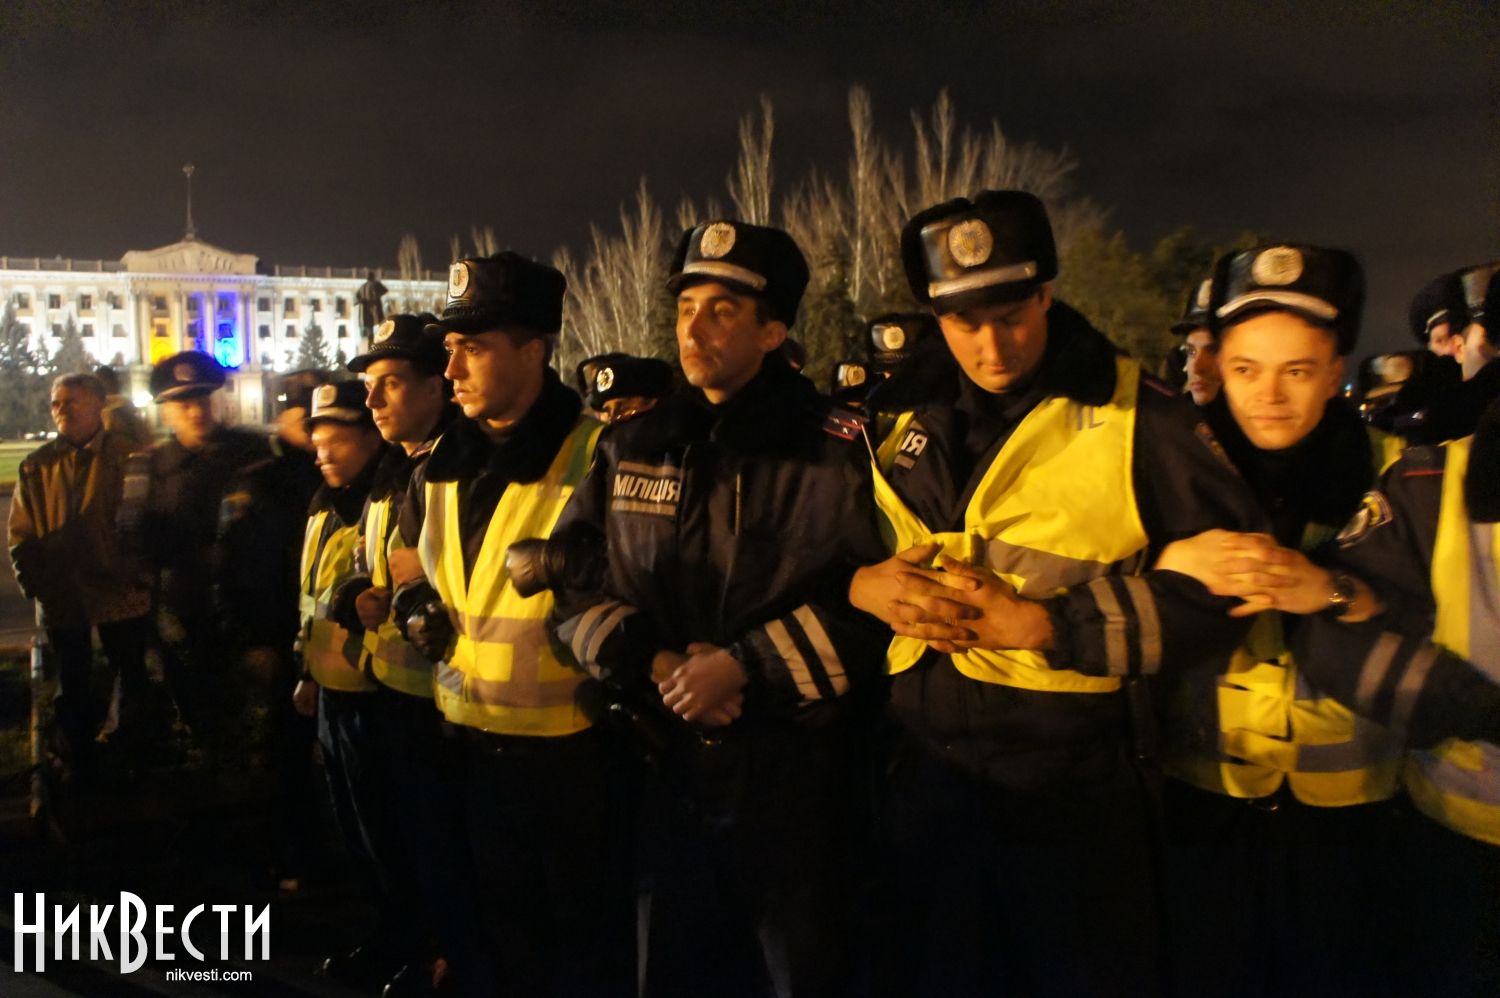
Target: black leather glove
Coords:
[[570, 559], [423, 619], [343, 611]]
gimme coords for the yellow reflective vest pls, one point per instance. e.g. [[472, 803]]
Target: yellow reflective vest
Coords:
[[1457, 784], [386, 654], [1056, 509], [504, 674], [1272, 726], [330, 652]]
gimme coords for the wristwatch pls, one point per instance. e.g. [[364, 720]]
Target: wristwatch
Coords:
[[1341, 593]]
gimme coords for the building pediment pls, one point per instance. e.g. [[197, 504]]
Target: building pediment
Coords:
[[188, 257]]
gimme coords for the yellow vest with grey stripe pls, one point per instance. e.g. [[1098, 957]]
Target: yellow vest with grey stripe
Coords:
[[331, 653], [1272, 727], [1457, 784], [386, 655], [1056, 509], [504, 674]]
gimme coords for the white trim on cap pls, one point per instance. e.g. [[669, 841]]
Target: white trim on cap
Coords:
[[341, 413], [983, 279], [728, 271], [1291, 299], [1441, 315]]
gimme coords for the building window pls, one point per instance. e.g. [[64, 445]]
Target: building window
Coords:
[[343, 330], [158, 304], [226, 303], [264, 332], [112, 300], [118, 330], [23, 300], [57, 329], [313, 304], [291, 331], [192, 304], [341, 305], [54, 301], [86, 302], [289, 306], [263, 304], [87, 330]]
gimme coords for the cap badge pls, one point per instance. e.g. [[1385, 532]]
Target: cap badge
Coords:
[[970, 242], [1205, 288], [851, 375], [1276, 266], [325, 396], [184, 372], [386, 330], [604, 379], [718, 239], [890, 336], [458, 280]]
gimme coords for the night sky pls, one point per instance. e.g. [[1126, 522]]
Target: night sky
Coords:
[[322, 132]]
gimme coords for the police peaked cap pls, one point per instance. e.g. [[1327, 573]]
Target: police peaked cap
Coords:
[[893, 336], [1195, 312], [185, 375], [994, 249], [1323, 286], [1429, 308], [1470, 295], [340, 402], [619, 375], [406, 337], [748, 259], [503, 291]]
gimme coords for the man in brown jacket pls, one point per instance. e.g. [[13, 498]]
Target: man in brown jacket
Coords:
[[63, 547]]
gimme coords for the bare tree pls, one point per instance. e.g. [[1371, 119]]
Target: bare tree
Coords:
[[485, 243], [455, 248], [750, 185]]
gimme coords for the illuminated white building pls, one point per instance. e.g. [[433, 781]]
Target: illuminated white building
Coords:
[[149, 304]]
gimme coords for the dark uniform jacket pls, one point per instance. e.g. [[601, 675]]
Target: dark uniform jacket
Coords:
[[1183, 484], [262, 522], [169, 517], [1389, 544], [739, 525]]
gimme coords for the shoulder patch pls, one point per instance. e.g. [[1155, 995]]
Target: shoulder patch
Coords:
[[844, 424], [1374, 512], [1206, 435]]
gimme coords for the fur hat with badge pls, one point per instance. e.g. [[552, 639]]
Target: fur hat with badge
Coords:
[[994, 249], [185, 375], [341, 402], [619, 375], [1195, 312], [507, 292], [1324, 286], [754, 260], [406, 337]]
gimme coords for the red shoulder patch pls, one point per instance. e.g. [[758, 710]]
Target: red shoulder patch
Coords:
[[1422, 473], [1152, 381]]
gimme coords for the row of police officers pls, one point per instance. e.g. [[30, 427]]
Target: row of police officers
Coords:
[[1018, 675]]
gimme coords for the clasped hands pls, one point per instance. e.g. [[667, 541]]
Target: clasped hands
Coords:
[[706, 686], [951, 607], [1257, 570]]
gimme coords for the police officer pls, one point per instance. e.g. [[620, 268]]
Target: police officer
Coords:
[[1045, 467], [1428, 318], [1200, 351], [1424, 659], [1280, 806], [349, 451], [409, 400], [261, 524], [169, 519], [733, 513], [889, 339], [541, 787], [617, 386]]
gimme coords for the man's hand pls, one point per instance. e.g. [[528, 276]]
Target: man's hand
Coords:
[[1254, 568], [374, 607], [305, 698], [705, 684], [405, 565], [1001, 619], [925, 603]]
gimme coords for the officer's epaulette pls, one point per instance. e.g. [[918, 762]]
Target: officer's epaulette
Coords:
[[1152, 381], [1423, 461], [844, 423]]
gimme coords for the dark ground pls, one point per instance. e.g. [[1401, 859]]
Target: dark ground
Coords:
[[176, 833]]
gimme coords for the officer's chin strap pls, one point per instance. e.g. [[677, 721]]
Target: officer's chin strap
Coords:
[[1482, 483]]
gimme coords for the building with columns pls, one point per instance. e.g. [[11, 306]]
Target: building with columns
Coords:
[[150, 304]]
